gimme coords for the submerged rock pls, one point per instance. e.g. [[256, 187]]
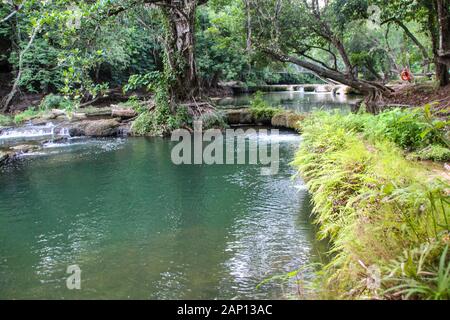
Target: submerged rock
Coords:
[[24, 148], [4, 157]]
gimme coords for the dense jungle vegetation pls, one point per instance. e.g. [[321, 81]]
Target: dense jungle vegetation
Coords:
[[83, 50]]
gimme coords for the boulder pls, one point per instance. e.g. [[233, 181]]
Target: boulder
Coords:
[[288, 119], [239, 116], [24, 148], [95, 128], [279, 120], [76, 116], [58, 112], [293, 120]]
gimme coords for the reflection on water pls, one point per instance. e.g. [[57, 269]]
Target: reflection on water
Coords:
[[140, 227], [296, 100]]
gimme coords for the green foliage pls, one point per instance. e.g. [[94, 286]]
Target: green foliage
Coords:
[[413, 275], [373, 205], [161, 120], [53, 101], [409, 129], [433, 153], [138, 81], [26, 115], [213, 120], [5, 120], [135, 104], [403, 127], [260, 109]]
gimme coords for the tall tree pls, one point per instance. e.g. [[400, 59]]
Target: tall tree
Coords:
[[180, 47], [434, 16], [301, 29]]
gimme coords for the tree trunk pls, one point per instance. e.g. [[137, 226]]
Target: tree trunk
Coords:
[[439, 26], [374, 92], [442, 73], [443, 9], [180, 49]]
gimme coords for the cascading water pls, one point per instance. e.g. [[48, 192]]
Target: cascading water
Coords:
[[32, 132]]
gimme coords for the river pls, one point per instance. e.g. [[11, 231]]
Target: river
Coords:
[[140, 227]]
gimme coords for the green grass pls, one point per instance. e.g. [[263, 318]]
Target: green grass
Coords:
[[26, 115], [376, 208]]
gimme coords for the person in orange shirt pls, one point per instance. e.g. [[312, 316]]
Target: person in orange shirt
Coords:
[[406, 75]]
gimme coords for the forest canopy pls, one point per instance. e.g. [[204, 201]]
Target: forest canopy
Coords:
[[85, 49]]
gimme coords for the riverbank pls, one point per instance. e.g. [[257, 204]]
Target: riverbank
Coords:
[[37, 129], [420, 94], [385, 214]]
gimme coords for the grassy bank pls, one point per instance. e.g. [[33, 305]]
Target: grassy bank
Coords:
[[386, 216]]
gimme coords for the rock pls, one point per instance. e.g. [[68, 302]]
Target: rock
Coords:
[[102, 128], [293, 120], [124, 113], [279, 120], [76, 116], [39, 121], [24, 148], [58, 112], [239, 116], [49, 116], [288, 119], [95, 128]]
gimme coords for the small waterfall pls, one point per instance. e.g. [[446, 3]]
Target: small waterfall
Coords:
[[32, 132]]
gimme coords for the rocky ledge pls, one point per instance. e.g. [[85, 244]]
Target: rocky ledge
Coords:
[[283, 120]]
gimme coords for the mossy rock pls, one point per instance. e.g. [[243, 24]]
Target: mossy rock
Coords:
[[288, 119], [239, 116], [279, 120], [293, 120]]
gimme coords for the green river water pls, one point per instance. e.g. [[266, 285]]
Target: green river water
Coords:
[[140, 227]]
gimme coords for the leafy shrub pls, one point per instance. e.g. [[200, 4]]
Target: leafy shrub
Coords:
[[403, 127], [5, 120], [409, 129], [53, 101], [374, 205], [261, 110], [27, 115], [213, 120], [434, 153], [145, 124], [139, 81], [135, 104]]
